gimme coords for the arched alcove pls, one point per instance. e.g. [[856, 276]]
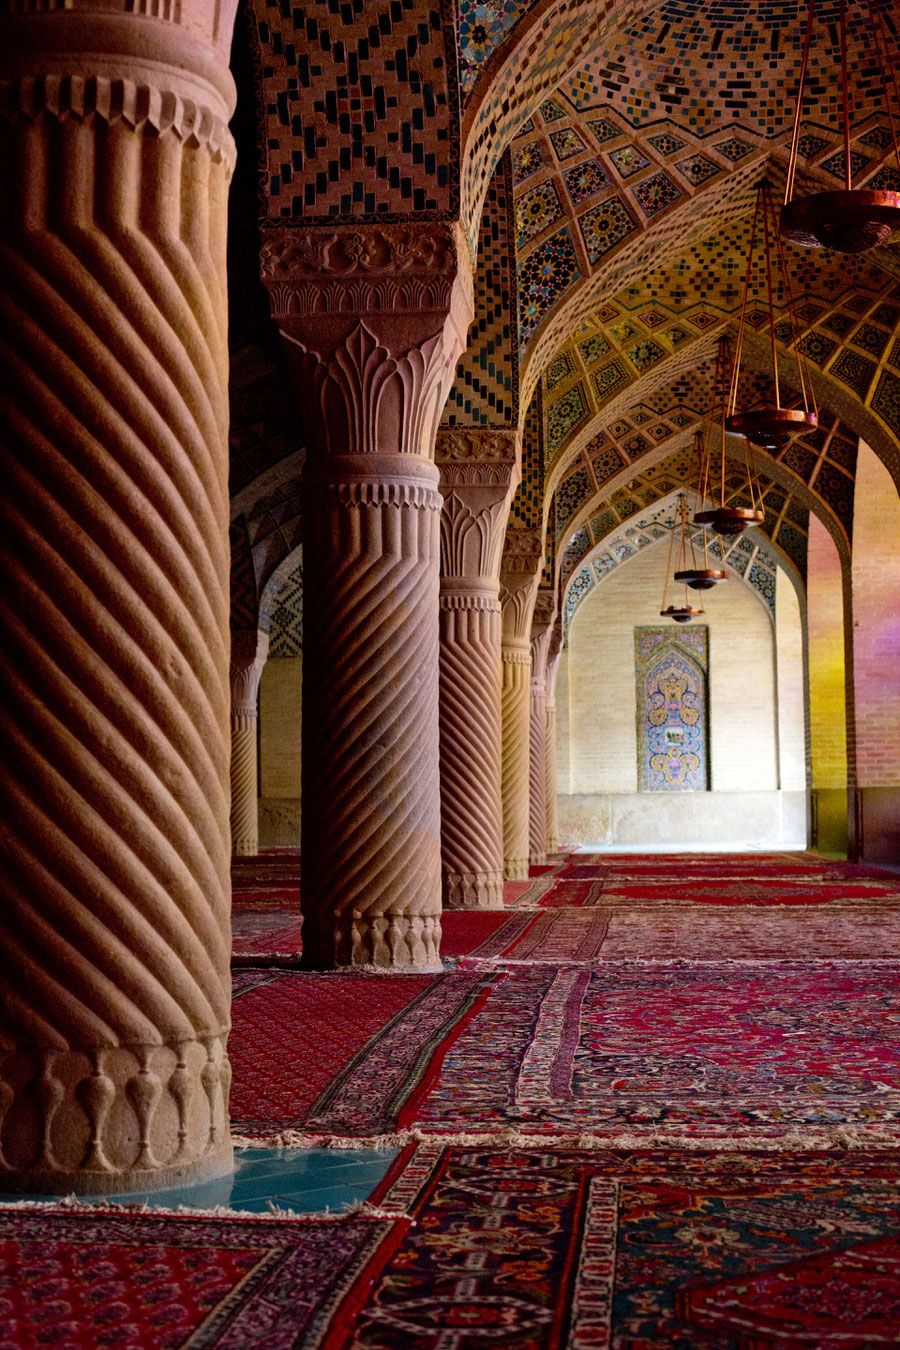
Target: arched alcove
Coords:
[[746, 653]]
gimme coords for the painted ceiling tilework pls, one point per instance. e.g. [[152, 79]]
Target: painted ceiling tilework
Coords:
[[544, 277], [486, 389], [361, 120], [699, 64], [244, 600], [528, 501], [565, 414], [536, 211], [286, 616]]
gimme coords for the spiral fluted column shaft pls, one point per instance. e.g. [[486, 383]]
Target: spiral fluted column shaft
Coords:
[[470, 729], [516, 667], [248, 656], [371, 820], [115, 982], [537, 774], [550, 765]]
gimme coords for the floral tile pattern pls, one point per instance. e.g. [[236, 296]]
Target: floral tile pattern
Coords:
[[559, 368], [870, 338], [854, 371], [835, 163], [817, 347]]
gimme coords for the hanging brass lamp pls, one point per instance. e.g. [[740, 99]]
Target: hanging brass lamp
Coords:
[[854, 219], [773, 425], [726, 520], [694, 577], [680, 613]]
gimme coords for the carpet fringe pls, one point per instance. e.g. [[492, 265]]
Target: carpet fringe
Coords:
[[847, 1137], [83, 1204], [492, 961]]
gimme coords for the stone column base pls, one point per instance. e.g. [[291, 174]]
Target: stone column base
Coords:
[[473, 890]]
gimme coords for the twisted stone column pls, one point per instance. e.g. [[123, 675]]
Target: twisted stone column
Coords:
[[249, 650], [552, 792], [519, 576], [537, 786], [115, 159], [479, 470], [373, 375]]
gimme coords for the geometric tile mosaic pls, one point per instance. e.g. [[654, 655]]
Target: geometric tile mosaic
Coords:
[[566, 143], [286, 626], [544, 276], [558, 369], [585, 179], [527, 160], [886, 401], [570, 494], [604, 226], [563, 416], [576, 549], [551, 112], [645, 354], [887, 179], [836, 488], [871, 339], [655, 193], [609, 379], [666, 144], [835, 165], [536, 211], [604, 131], [817, 347], [593, 348], [697, 169], [854, 371], [628, 160]]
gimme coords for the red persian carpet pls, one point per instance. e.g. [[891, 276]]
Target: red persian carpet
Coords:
[[643, 1250], [342, 1052], [710, 1051]]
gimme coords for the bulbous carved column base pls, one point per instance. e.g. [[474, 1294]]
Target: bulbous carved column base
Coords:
[[516, 869], [101, 1122], [388, 941], [473, 890]]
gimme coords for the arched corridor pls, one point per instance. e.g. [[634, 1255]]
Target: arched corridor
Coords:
[[373, 833]]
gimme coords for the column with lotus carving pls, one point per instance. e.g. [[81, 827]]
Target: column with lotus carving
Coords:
[[479, 471], [115, 158], [249, 649], [520, 573], [374, 321]]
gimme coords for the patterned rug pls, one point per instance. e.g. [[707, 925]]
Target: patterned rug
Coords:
[[343, 1052], [584, 880], [95, 1279], [669, 1051], [549, 1250], [265, 932]]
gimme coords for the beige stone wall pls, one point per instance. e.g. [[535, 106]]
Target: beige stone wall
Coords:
[[601, 679], [789, 670], [280, 705], [827, 700], [563, 775]]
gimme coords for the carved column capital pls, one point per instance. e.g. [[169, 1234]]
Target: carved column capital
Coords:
[[520, 574], [249, 652]]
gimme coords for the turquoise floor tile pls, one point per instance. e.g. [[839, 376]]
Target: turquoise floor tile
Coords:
[[305, 1181]]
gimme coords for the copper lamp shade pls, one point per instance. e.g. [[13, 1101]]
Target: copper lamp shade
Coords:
[[729, 519], [701, 578], [848, 222], [680, 613], [770, 427]]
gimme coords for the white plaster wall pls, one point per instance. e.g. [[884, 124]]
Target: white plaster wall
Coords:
[[601, 677]]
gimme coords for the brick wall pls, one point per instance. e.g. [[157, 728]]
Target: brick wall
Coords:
[[280, 702], [827, 700], [876, 622]]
